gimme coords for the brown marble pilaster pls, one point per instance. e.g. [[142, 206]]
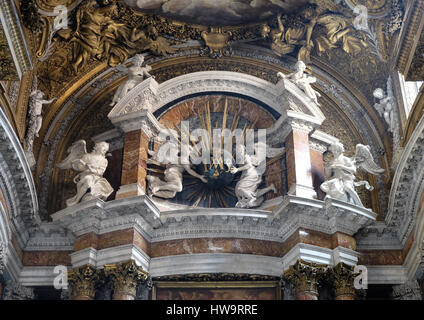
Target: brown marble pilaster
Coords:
[[125, 276], [342, 277], [305, 276], [299, 169], [317, 170], [133, 178], [83, 281]]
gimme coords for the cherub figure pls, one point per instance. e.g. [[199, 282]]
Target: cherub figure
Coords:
[[36, 102], [167, 155], [341, 184], [246, 189], [136, 74], [302, 80], [387, 104], [90, 182]]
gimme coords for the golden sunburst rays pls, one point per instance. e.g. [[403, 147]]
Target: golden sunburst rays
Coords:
[[197, 193]]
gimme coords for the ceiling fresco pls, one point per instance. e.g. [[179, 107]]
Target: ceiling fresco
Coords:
[[218, 12]]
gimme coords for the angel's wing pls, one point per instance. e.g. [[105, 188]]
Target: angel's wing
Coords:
[[76, 151], [365, 160]]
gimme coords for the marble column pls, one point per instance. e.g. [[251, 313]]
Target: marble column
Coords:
[[133, 178], [125, 276], [341, 277], [305, 277], [83, 281], [298, 158]]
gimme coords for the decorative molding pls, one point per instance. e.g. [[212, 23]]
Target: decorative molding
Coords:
[[129, 107], [15, 37], [99, 258], [139, 212], [408, 291], [50, 237], [16, 183], [16, 291], [215, 263]]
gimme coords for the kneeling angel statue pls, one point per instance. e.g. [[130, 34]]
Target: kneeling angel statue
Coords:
[[91, 166], [341, 184]]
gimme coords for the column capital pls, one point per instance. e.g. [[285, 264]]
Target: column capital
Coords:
[[301, 125], [83, 281], [125, 277], [341, 277], [305, 275]]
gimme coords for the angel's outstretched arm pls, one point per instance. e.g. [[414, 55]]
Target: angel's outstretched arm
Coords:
[[194, 173], [48, 101]]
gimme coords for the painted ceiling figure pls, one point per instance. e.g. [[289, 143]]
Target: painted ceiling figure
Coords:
[[341, 183], [98, 34], [311, 28]]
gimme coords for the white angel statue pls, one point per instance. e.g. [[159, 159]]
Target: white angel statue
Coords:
[[90, 182], [302, 80], [246, 189], [36, 102], [341, 184], [136, 74], [167, 155], [387, 104]]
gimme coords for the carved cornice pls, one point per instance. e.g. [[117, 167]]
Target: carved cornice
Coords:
[[140, 213], [408, 186], [15, 291], [17, 184], [408, 41], [407, 291]]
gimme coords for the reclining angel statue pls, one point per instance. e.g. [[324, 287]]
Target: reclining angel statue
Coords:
[[91, 166], [246, 189], [302, 80], [136, 75], [167, 155], [341, 184]]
